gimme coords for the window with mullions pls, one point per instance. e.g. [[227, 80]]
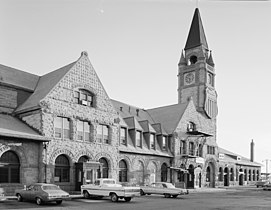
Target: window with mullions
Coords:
[[83, 131], [191, 148], [10, 172], [103, 134], [138, 139], [84, 97], [62, 127], [62, 169], [103, 171], [123, 136], [123, 171], [152, 140]]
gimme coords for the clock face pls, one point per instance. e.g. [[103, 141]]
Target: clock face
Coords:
[[189, 78]]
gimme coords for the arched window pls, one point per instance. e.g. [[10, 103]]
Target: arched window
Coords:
[[232, 175], [62, 169], [193, 59], [249, 175], [123, 171], [10, 171], [220, 177], [103, 173], [83, 159], [164, 173]]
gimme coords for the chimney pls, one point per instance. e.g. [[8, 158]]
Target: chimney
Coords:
[[137, 112], [252, 151]]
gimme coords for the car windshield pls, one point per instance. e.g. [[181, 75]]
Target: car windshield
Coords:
[[169, 185], [50, 187]]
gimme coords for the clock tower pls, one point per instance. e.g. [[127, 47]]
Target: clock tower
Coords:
[[196, 76]]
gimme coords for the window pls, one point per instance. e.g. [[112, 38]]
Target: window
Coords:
[[183, 148], [123, 136], [84, 97], [138, 138], [10, 172], [83, 131], [103, 171], [152, 140], [164, 142], [220, 174], [123, 171], [164, 173], [191, 127], [62, 169], [62, 127], [210, 150], [199, 150], [103, 134], [191, 148]]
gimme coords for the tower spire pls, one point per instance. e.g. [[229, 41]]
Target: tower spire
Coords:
[[196, 36]]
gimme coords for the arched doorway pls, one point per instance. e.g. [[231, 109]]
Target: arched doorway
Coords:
[[210, 175], [191, 177], [241, 177], [197, 173], [10, 171], [226, 176]]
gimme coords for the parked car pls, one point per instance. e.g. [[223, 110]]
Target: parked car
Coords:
[[163, 188], [267, 186], [109, 188], [41, 193], [2, 194], [261, 183]]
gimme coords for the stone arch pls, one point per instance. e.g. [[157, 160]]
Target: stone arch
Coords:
[[139, 171], [128, 161], [70, 155], [19, 151], [151, 175], [210, 171], [83, 153], [107, 157]]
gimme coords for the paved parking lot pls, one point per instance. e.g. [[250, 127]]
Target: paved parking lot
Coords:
[[223, 199]]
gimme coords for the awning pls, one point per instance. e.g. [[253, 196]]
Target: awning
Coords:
[[179, 169], [199, 133]]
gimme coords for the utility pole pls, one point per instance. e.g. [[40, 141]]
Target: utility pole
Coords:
[[266, 167]]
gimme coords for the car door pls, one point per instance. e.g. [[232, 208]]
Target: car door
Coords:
[[26, 194]]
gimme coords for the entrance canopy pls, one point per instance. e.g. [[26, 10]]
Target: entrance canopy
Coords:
[[179, 169]]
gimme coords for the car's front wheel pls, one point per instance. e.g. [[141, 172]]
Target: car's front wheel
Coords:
[[19, 198], [114, 197], [38, 201], [58, 202]]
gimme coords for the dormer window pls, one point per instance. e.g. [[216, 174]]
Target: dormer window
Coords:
[[138, 139], [84, 97], [152, 140], [191, 127]]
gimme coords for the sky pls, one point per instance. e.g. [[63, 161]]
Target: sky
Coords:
[[135, 46]]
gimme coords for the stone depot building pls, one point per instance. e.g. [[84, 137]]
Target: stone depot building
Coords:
[[63, 128]]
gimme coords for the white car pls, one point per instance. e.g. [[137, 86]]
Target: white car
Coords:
[[163, 188], [2, 194]]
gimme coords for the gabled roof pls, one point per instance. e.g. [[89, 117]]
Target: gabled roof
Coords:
[[231, 157], [18, 78], [45, 84], [13, 127], [168, 116], [196, 36]]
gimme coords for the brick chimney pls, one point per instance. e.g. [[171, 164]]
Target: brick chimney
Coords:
[[252, 151]]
